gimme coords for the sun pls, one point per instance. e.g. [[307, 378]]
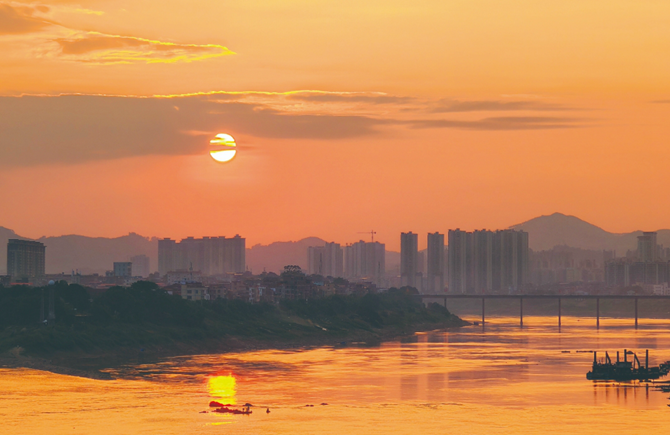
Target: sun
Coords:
[[225, 148]]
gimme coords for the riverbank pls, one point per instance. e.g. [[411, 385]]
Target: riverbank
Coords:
[[143, 324], [94, 363]]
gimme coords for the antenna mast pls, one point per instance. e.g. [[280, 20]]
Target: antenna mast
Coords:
[[372, 234]]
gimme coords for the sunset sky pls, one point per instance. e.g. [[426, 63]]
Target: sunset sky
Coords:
[[349, 116]]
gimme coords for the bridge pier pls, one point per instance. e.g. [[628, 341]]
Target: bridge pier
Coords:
[[635, 313], [483, 314], [597, 312], [559, 312], [521, 312]]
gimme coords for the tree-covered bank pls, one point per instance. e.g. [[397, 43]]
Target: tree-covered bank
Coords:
[[145, 318]]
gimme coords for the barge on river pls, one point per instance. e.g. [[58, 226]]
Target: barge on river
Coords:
[[625, 370]]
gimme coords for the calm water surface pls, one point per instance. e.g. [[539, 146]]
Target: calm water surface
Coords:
[[498, 380]]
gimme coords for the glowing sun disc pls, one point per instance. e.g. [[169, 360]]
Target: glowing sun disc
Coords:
[[223, 155], [225, 145]]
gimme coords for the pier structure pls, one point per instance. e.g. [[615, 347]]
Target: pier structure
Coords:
[[445, 297]]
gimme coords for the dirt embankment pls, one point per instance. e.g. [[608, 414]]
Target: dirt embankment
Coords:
[[92, 365]]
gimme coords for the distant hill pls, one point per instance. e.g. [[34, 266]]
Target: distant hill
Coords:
[[273, 257], [557, 229], [86, 254], [96, 254]]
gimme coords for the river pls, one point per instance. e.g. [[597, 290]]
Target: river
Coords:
[[501, 379]]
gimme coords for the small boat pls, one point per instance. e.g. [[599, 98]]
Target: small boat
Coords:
[[226, 410]]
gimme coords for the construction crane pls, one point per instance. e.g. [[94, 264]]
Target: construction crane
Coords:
[[372, 234]]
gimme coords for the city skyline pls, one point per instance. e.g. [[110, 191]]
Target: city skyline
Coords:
[[390, 239]]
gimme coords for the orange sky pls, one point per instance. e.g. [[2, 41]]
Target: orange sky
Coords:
[[422, 116]]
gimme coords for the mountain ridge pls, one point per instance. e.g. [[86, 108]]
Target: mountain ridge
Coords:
[[558, 229]]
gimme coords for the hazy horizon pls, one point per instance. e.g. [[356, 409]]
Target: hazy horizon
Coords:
[[392, 243]]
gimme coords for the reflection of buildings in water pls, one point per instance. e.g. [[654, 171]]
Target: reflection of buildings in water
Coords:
[[437, 337], [435, 386], [409, 387], [409, 358], [422, 386], [408, 354], [492, 375]]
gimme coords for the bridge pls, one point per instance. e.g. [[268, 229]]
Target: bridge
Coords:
[[521, 298]]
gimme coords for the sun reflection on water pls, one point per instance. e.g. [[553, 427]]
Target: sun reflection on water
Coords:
[[223, 388]]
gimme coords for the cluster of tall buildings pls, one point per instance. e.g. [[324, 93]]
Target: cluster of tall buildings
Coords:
[[208, 255], [357, 261], [477, 262], [488, 261], [413, 263], [649, 266], [473, 262]]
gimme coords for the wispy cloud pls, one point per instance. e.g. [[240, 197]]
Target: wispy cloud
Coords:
[[102, 48], [48, 38]]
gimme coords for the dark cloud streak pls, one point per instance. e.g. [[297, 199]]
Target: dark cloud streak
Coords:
[[72, 129], [453, 106], [353, 98], [18, 20], [78, 128], [500, 123]]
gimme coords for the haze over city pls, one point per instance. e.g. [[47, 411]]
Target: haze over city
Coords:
[[292, 216]]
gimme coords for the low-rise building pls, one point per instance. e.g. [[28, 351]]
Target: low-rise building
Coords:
[[123, 268], [183, 277], [194, 292]]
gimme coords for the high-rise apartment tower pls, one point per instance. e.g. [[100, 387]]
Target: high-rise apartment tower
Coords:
[[25, 259], [365, 260], [435, 267], [209, 255], [409, 260], [327, 260]]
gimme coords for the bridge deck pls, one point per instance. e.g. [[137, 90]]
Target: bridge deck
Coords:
[[531, 296], [557, 297]]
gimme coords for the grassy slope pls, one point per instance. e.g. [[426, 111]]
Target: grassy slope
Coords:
[[150, 320]]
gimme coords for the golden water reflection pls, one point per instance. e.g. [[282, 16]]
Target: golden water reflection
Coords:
[[223, 388], [501, 379]]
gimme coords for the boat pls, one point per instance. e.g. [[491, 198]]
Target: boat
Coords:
[[625, 370], [225, 410]]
